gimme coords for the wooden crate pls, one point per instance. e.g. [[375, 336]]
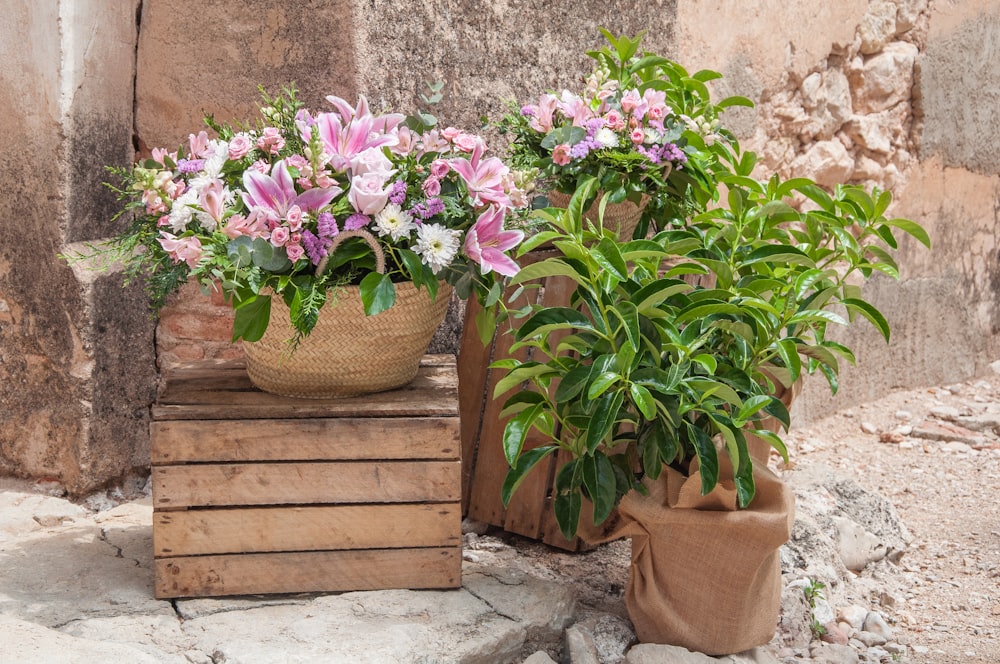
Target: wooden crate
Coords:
[[530, 511], [255, 493]]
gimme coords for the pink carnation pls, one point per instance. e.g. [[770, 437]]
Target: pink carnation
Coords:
[[187, 249], [560, 155], [271, 140]]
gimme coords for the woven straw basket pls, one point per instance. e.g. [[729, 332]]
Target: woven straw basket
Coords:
[[621, 217], [347, 353]]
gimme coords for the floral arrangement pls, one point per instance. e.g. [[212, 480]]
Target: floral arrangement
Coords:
[[256, 209], [642, 126]]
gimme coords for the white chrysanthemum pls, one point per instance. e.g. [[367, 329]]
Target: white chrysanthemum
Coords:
[[182, 210], [395, 222], [651, 136], [437, 245], [606, 137]]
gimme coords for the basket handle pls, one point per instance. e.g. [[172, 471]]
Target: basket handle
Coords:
[[364, 235]]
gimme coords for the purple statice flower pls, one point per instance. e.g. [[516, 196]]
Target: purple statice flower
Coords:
[[427, 209], [652, 154], [397, 195], [190, 165], [326, 225], [593, 125], [356, 221], [674, 154], [315, 246]]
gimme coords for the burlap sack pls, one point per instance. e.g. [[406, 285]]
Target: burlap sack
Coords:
[[704, 575]]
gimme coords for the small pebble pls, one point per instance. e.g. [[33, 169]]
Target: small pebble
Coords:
[[868, 427]]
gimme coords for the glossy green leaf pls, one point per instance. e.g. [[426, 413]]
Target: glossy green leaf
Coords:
[[377, 293], [552, 267], [572, 383], [553, 318], [516, 431], [517, 473], [604, 415], [643, 400], [567, 508], [601, 383], [251, 318], [911, 228], [608, 256], [873, 315], [790, 356], [708, 459], [599, 479]]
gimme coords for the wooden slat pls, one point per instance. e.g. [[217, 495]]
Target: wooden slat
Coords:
[[524, 514], [316, 571], [473, 374], [181, 441], [306, 483], [201, 396], [263, 529]]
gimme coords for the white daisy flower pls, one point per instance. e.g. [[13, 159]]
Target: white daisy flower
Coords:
[[395, 222], [437, 245], [606, 137]]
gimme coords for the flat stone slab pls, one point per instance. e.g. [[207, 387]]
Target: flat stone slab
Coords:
[[77, 582]]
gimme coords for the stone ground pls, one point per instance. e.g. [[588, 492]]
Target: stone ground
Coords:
[[902, 491]]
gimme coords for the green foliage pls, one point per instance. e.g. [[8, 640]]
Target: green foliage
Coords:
[[647, 368]]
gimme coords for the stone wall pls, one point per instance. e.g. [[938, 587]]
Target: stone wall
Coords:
[[898, 94], [892, 93], [76, 360]]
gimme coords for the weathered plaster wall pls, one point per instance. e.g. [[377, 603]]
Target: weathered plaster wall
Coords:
[[76, 372], [900, 94]]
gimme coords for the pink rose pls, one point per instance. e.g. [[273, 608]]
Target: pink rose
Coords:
[[560, 155], [304, 183], [450, 133], [368, 193], [431, 187], [261, 166], [279, 236], [239, 146], [614, 120], [439, 168], [294, 218], [294, 251], [655, 113], [630, 100], [637, 136], [466, 142], [371, 160]]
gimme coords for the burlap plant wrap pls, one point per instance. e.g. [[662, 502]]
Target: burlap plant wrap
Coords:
[[704, 575]]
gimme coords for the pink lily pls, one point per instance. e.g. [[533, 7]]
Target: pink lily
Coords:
[[484, 178], [383, 124], [187, 249], [276, 193], [487, 240]]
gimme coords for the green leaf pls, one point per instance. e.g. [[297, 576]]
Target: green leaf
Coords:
[[708, 459], [608, 256], [777, 255], [774, 440], [516, 431], [517, 473], [873, 315], [814, 315], [751, 406], [572, 383], [735, 100], [567, 507], [252, 317], [601, 384], [519, 374], [654, 294], [520, 401], [629, 316], [486, 324], [553, 318], [599, 478], [911, 228], [552, 267], [605, 413], [377, 293], [643, 400], [789, 354]]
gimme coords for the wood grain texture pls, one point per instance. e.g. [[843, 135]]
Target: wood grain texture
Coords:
[[224, 392], [309, 571], [319, 439], [255, 530], [205, 485]]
